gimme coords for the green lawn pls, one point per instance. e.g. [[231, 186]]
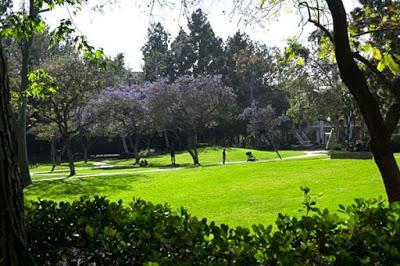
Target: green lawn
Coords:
[[208, 156], [237, 194], [211, 155]]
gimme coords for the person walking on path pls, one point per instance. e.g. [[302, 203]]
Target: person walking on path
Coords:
[[172, 153], [223, 156]]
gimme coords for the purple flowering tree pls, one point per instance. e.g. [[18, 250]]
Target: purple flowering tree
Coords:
[[199, 103], [77, 81], [262, 123], [123, 112], [159, 99]]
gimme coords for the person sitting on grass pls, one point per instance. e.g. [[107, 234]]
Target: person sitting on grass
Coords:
[[143, 163], [250, 157]]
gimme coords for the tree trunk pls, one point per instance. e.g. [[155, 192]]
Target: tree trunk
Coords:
[[355, 80], [53, 152], [135, 148], [192, 149], [384, 158], [269, 138], [167, 146], [126, 151], [23, 161], [148, 143], [13, 246], [85, 154], [85, 148], [70, 155], [178, 140]]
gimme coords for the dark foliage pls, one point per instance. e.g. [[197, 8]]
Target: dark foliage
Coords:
[[395, 142], [99, 232]]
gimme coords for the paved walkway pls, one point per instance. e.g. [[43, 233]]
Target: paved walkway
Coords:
[[308, 154]]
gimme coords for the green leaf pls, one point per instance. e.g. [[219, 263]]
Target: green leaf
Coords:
[[381, 66], [391, 64], [291, 56], [151, 263], [89, 230], [109, 232], [377, 54], [209, 238], [300, 61], [42, 84], [368, 48]]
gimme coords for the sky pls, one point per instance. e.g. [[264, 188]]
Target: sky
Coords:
[[122, 26]]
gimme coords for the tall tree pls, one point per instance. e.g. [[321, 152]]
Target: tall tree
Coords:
[[156, 54], [262, 123], [207, 50], [26, 48], [17, 24], [182, 55], [199, 103], [77, 81], [236, 45], [316, 90], [352, 56], [13, 246], [123, 112], [380, 126]]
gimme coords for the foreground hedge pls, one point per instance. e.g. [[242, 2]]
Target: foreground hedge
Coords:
[[99, 232]]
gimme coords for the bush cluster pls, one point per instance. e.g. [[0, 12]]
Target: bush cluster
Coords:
[[99, 232]]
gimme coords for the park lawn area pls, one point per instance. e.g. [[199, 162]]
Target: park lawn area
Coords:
[[209, 155], [237, 194], [44, 167]]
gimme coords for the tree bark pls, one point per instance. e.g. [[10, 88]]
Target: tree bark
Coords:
[[85, 154], [125, 145], [23, 160], [135, 148], [85, 148], [269, 138], [192, 149], [166, 139], [70, 155], [13, 246], [355, 80], [53, 152], [21, 123]]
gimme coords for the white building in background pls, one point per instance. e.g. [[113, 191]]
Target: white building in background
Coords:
[[319, 132]]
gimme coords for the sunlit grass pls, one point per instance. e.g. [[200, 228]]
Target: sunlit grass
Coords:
[[237, 194], [211, 155]]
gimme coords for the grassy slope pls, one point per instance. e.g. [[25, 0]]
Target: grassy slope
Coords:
[[208, 156], [234, 194]]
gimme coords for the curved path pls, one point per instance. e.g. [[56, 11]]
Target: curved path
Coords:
[[308, 154]]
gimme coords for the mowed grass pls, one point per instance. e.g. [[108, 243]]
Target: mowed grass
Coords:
[[211, 155], [208, 156], [237, 194]]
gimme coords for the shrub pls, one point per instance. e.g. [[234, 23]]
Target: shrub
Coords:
[[336, 147], [350, 155], [99, 232]]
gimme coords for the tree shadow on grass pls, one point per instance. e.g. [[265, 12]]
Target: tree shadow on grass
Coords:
[[69, 189]]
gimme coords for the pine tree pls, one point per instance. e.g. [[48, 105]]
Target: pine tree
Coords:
[[156, 55]]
